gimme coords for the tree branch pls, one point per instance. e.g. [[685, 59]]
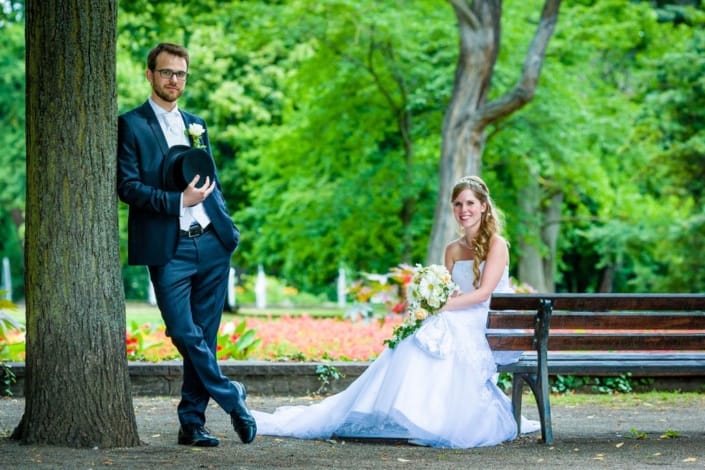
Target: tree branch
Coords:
[[463, 11], [525, 89]]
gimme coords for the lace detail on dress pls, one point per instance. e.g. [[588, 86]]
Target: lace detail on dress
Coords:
[[474, 350]]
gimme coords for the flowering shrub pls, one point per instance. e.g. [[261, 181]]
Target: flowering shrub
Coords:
[[236, 341], [9, 344], [285, 338], [520, 287], [387, 289], [147, 342], [288, 337], [390, 290], [11, 333], [265, 338]]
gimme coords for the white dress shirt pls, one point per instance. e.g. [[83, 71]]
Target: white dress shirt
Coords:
[[174, 129]]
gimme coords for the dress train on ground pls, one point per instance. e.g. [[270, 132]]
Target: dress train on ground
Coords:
[[436, 388]]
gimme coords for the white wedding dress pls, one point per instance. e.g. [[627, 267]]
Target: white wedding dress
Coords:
[[436, 388]]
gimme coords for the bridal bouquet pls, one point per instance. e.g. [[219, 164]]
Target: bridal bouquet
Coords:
[[429, 290]]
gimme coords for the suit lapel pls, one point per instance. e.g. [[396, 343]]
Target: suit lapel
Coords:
[[153, 123], [187, 122]]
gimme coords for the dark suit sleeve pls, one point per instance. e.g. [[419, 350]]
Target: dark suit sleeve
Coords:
[[139, 169]]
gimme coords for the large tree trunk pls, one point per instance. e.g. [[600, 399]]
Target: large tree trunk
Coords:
[[469, 113], [549, 234], [530, 266], [77, 385], [537, 248]]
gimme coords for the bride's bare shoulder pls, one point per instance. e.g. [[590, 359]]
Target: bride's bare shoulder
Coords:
[[454, 250], [499, 240]]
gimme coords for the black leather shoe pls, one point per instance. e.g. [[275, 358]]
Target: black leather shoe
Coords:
[[196, 435], [243, 422]]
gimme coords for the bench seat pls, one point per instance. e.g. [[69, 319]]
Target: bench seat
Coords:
[[639, 364]]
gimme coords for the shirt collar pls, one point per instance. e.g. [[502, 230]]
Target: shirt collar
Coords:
[[158, 110]]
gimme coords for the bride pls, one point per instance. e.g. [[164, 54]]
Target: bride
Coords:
[[436, 387]]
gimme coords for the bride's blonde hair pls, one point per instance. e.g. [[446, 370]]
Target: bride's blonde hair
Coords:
[[490, 222]]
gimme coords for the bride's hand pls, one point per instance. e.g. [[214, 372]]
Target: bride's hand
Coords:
[[449, 304]]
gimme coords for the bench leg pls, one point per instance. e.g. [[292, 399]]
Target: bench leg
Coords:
[[542, 403], [543, 320], [517, 389], [541, 393], [543, 397]]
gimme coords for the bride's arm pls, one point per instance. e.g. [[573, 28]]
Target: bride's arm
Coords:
[[495, 263], [449, 256]]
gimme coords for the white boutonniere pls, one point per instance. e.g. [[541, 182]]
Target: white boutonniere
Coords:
[[195, 131]]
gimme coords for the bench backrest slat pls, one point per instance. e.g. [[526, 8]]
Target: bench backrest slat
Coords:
[[511, 320], [513, 342], [601, 302], [626, 342], [558, 341], [628, 321], [598, 322], [601, 321]]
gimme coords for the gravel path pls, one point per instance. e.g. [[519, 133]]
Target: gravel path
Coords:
[[623, 433]]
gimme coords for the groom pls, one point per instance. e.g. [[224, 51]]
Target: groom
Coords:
[[184, 235]]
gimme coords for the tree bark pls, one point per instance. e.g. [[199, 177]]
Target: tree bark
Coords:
[[469, 113], [549, 235], [537, 244], [530, 265], [77, 385]]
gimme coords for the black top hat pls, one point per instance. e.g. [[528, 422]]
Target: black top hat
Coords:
[[183, 163]]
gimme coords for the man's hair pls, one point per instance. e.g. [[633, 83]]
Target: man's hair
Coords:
[[173, 49]]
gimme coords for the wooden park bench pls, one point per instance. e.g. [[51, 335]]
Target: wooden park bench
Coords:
[[647, 335]]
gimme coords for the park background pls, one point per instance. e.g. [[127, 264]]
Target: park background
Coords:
[[600, 176], [330, 127]]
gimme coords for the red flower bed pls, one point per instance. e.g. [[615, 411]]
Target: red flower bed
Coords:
[[280, 338], [315, 338]]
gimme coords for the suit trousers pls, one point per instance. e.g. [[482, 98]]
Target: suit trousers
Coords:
[[190, 291]]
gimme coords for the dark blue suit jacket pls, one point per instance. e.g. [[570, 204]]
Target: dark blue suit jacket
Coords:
[[153, 222]]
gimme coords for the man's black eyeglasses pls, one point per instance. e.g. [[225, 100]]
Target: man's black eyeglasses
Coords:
[[168, 73]]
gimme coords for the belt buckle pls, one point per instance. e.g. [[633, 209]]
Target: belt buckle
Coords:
[[195, 231]]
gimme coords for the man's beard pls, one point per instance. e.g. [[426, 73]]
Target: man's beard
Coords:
[[165, 96]]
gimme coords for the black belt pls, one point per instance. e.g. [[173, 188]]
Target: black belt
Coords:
[[195, 231]]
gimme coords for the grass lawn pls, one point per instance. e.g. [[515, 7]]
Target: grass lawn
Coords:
[[141, 312], [693, 400], [145, 313]]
